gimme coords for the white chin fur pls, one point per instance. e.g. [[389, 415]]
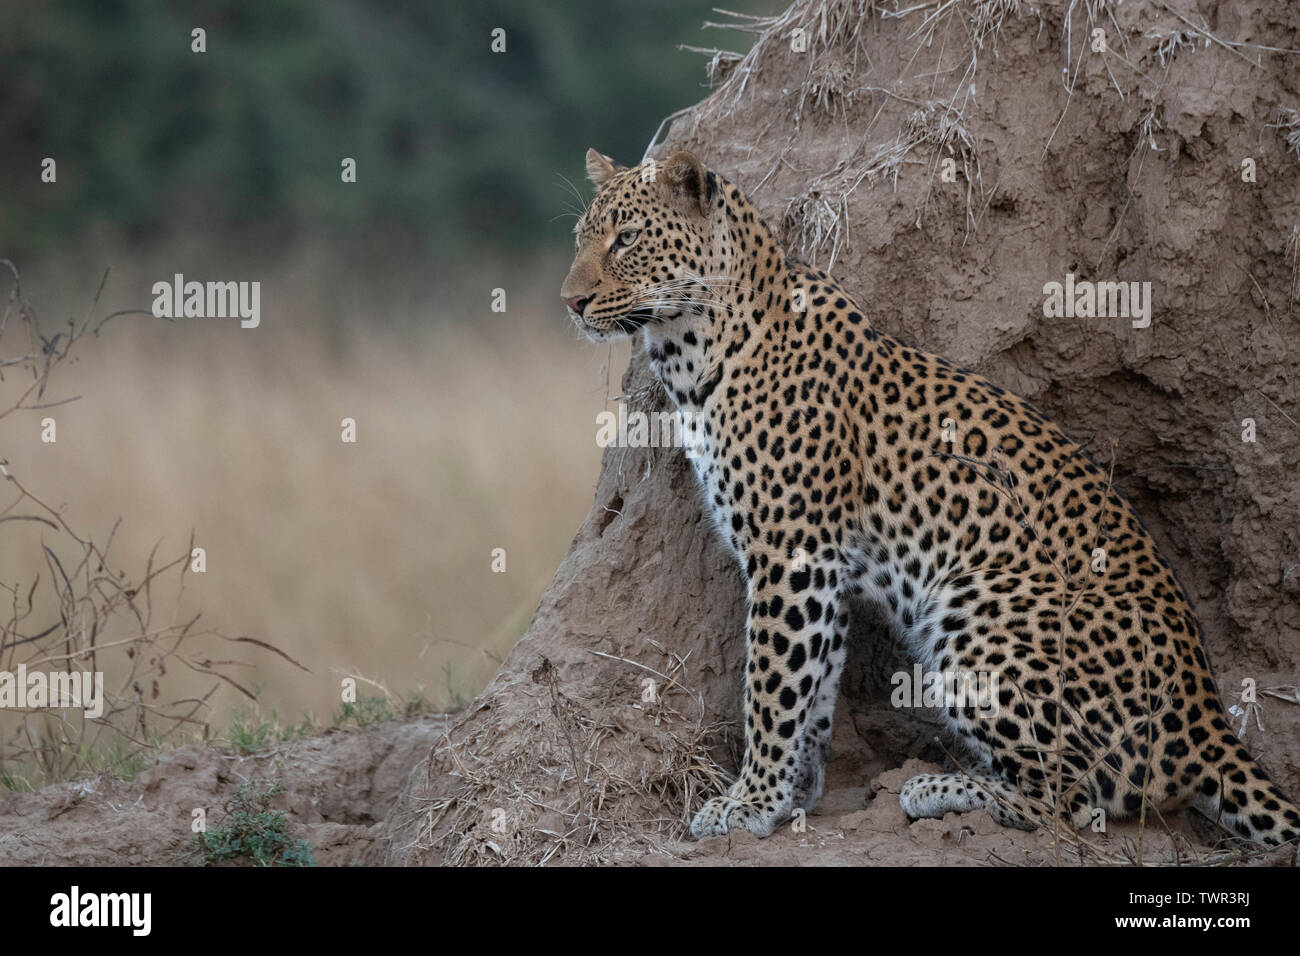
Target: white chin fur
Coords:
[[602, 335]]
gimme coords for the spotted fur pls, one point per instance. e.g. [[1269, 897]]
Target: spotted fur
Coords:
[[841, 463]]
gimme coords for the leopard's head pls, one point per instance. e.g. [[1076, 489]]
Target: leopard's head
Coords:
[[643, 245]]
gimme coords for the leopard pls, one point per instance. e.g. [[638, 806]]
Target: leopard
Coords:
[[840, 465]]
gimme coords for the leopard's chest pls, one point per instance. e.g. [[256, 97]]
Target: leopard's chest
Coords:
[[706, 445], [721, 490]]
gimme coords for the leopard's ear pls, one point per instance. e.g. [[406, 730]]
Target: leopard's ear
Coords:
[[600, 168], [688, 180]]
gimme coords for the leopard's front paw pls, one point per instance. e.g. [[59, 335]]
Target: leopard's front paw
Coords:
[[721, 814]]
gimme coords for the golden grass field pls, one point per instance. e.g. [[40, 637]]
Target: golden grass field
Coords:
[[476, 430]]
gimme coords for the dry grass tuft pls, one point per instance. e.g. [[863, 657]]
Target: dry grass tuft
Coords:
[[816, 220], [1288, 125], [987, 16], [1169, 42], [812, 27], [829, 89], [721, 62], [580, 782]]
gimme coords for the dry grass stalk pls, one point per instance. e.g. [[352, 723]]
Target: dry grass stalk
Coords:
[[104, 621]]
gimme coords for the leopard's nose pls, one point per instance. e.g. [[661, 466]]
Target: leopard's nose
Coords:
[[578, 303]]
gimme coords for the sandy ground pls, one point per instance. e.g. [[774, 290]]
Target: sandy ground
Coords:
[[337, 788]]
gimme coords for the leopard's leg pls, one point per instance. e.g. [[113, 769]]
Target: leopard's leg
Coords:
[[792, 617], [937, 794], [816, 748], [1010, 726]]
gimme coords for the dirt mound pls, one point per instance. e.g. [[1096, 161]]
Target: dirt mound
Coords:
[[335, 789], [1166, 154]]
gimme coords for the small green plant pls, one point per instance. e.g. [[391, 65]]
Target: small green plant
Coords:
[[121, 761], [248, 733], [416, 703], [306, 727], [452, 689], [16, 784], [366, 711], [255, 831]]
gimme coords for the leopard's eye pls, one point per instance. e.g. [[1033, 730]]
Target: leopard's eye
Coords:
[[627, 237]]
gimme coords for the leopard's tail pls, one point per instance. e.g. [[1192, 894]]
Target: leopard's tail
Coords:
[[1237, 793]]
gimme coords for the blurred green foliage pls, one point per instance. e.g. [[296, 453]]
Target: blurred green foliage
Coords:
[[457, 147]]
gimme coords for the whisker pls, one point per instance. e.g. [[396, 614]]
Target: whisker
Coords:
[[573, 189]]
